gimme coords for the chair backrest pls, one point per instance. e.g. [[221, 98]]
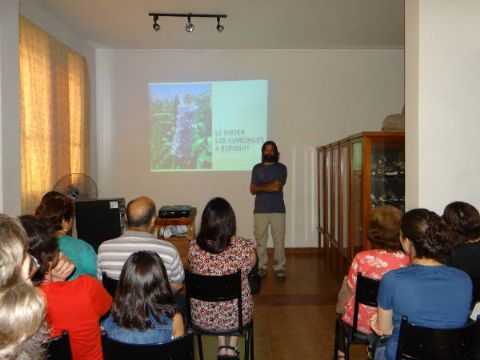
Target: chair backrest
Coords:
[[109, 284], [476, 290], [416, 342], [365, 293], [214, 289], [59, 348], [178, 349]]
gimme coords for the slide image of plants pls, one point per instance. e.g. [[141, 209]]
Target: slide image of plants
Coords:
[[181, 126]]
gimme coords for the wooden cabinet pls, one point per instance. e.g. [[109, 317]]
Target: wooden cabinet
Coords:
[[356, 174]]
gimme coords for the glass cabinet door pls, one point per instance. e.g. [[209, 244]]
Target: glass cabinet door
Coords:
[[387, 174], [335, 191], [321, 197], [344, 194], [357, 197], [328, 192]]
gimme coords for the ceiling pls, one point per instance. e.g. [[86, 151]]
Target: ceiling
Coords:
[[251, 24]]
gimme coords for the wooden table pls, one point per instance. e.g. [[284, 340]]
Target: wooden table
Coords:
[[181, 243]]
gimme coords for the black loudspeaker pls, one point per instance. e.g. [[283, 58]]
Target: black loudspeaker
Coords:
[[100, 220]]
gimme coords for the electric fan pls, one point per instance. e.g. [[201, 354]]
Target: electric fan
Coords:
[[77, 186]]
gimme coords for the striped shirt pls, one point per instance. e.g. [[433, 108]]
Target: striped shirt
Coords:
[[112, 254]]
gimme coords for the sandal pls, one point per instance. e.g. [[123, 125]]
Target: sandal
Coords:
[[229, 357]]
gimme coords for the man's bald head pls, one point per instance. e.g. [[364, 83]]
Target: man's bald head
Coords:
[[140, 212]]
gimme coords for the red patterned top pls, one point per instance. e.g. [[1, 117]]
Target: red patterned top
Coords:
[[373, 264], [222, 315]]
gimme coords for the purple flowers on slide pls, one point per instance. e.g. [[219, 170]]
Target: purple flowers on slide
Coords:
[[181, 126], [184, 132]]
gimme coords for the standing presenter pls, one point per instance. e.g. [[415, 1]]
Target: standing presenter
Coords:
[[268, 179]]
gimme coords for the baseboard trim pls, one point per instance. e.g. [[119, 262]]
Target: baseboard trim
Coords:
[[303, 250]]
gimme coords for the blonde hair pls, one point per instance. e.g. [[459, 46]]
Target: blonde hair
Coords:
[[21, 317], [13, 249]]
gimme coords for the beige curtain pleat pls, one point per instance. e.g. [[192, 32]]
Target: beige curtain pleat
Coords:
[[55, 108]]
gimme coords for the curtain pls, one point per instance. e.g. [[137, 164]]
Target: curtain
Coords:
[[55, 113]]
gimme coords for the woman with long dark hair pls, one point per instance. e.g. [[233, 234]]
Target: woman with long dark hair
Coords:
[[429, 293], [143, 310], [217, 250]]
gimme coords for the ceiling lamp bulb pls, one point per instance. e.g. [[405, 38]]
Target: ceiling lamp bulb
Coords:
[[189, 27], [156, 27], [220, 27]]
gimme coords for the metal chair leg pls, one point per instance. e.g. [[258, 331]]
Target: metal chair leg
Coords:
[[200, 347], [337, 339], [247, 343], [252, 353]]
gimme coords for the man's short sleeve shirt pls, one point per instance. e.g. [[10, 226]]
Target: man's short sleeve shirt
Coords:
[[269, 202]]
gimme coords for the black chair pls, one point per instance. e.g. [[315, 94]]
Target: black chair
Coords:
[[365, 293], [420, 343], [475, 290], [216, 289], [180, 348], [109, 284], [59, 348]]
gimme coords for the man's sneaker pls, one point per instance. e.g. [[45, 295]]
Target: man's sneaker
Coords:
[[280, 274], [262, 272]]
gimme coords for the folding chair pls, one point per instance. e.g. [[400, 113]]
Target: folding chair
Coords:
[[59, 348], [421, 343], [180, 348], [216, 289], [109, 284], [365, 293]]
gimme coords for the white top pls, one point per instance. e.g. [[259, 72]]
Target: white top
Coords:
[[112, 254]]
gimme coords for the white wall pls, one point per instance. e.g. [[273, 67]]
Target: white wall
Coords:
[[9, 109], [442, 102], [315, 97]]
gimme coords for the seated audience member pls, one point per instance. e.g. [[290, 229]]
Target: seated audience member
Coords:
[[386, 254], [75, 306], [143, 310], [58, 208], [139, 236], [464, 219], [217, 250], [22, 327], [21, 323], [429, 293]]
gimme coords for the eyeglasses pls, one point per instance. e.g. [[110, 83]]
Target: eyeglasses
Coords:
[[34, 265]]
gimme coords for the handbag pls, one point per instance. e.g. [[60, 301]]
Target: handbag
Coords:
[[343, 295]]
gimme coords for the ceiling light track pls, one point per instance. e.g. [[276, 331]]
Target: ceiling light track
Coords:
[[189, 26]]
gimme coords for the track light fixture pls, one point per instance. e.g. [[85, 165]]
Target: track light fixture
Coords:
[[189, 27]]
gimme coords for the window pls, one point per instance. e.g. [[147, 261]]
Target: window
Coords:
[[55, 113]]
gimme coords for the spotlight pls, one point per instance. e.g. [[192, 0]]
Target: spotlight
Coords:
[[189, 27], [156, 27], [220, 27]]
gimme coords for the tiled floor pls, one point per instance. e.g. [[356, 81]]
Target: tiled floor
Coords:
[[295, 318]]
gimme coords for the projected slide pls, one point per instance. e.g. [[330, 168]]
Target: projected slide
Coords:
[[207, 126]]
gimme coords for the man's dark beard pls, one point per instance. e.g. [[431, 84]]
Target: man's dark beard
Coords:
[[270, 158]]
